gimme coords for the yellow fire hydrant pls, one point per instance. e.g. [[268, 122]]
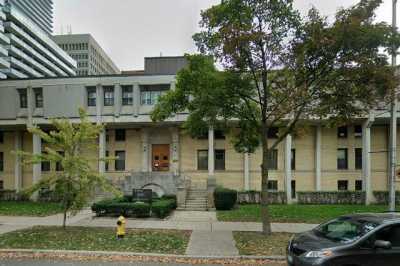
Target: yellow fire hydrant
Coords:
[[121, 227]]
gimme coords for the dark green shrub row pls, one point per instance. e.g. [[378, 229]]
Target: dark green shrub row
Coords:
[[225, 199], [163, 208], [331, 197], [382, 197]]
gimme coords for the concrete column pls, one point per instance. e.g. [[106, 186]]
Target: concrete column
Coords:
[[175, 151], [37, 150], [246, 170], [145, 150], [318, 143], [288, 168], [102, 151], [18, 162], [211, 156], [136, 99], [99, 103], [117, 99], [366, 159]]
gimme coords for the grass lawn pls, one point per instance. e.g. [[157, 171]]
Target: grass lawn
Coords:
[[99, 239], [14, 208], [256, 244], [295, 213]]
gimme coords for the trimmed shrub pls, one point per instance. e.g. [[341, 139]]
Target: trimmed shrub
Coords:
[[163, 207], [382, 197], [254, 197], [225, 199], [171, 197], [331, 197], [116, 207]]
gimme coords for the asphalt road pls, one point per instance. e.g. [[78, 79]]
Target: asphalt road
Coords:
[[92, 263]]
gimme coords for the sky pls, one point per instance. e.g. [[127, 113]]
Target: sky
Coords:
[[129, 30]]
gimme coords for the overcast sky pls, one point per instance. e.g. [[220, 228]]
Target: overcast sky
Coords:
[[129, 30]]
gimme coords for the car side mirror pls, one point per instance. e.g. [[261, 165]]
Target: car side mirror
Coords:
[[382, 244]]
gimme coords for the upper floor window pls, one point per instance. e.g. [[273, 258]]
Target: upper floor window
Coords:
[[120, 135], [23, 98], [342, 162], [273, 160], [91, 96], [38, 97], [127, 95], [357, 131], [59, 166], [1, 184], [219, 159], [149, 94], [273, 132], [45, 165], [342, 132], [358, 158], [293, 159], [108, 96], [1, 161], [1, 137], [120, 161]]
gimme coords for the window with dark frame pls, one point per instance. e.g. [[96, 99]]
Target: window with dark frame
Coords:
[[91, 96], [23, 98], [38, 97], [293, 159], [1, 137], [1, 161], [107, 163], [357, 131], [342, 132], [120, 135], [219, 134], [1, 184], [358, 158], [343, 185], [202, 160], [108, 96], [45, 165], [272, 185], [273, 132], [120, 161], [219, 159], [342, 162], [59, 167], [127, 95], [293, 186], [273, 160], [358, 185]]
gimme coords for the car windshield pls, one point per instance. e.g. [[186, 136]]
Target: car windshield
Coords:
[[345, 230]]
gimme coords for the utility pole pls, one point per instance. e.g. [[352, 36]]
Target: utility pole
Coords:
[[393, 125]]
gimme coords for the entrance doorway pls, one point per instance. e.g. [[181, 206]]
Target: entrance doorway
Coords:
[[160, 157]]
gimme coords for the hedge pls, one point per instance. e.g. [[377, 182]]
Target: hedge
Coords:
[[225, 199], [163, 208], [382, 197], [331, 197], [254, 197]]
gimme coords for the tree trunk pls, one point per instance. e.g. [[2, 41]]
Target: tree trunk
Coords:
[[65, 219], [265, 216]]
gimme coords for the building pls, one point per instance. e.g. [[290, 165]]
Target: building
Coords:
[[26, 47], [164, 157], [91, 58]]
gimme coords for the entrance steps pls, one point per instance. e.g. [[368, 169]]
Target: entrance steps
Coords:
[[196, 200]]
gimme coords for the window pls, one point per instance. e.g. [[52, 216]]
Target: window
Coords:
[[342, 132], [273, 132], [202, 159], [120, 135], [38, 97], [127, 95], [120, 161], [358, 158], [272, 185], [91, 96], [107, 164], [358, 185], [293, 159], [45, 164], [59, 164], [1, 184], [149, 94], [342, 159], [293, 186], [273, 160], [219, 134], [1, 137], [343, 185], [108, 96], [391, 234], [219, 159], [23, 98], [357, 131], [1, 161]]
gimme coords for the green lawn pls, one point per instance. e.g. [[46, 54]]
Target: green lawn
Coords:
[[295, 213], [12, 208], [97, 239], [256, 244]]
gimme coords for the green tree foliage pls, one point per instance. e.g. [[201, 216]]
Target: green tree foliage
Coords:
[[70, 145], [281, 69]]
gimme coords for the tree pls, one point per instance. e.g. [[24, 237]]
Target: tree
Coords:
[[280, 70], [69, 145]]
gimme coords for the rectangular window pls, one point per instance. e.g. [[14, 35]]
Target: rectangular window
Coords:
[[120, 161], [120, 135], [1, 184], [91, 96], [272, 185], [38, 97], [293, 186], [357, 131], [293, 159], [1, 161], [358, 158], [59, 167], [127, 95], [23, 98], [1, 137], [108, 96], [149, 94], [342, 132], [107, 164], [218, 134], [343, 185], [273, 160], [359, 185], [45, 165], [219, 159], [273, 132], [342, 159], [202, 160]]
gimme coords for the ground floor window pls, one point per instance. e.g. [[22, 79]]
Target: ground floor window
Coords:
[[106, 163], [343, 185], [273, 160], [293, 186], [45, 164], [358, 185], [272, 185], [1, 184], [202, 159], [1, 161], [120, 161]]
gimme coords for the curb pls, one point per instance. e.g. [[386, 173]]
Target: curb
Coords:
[[113, 255]]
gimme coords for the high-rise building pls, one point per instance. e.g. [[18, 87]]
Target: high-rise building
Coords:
[[26, 47], [91, 58]]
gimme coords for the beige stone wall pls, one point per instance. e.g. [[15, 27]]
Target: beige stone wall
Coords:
[[7, 147]]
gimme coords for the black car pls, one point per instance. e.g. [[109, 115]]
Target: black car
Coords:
[[371, 239]]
